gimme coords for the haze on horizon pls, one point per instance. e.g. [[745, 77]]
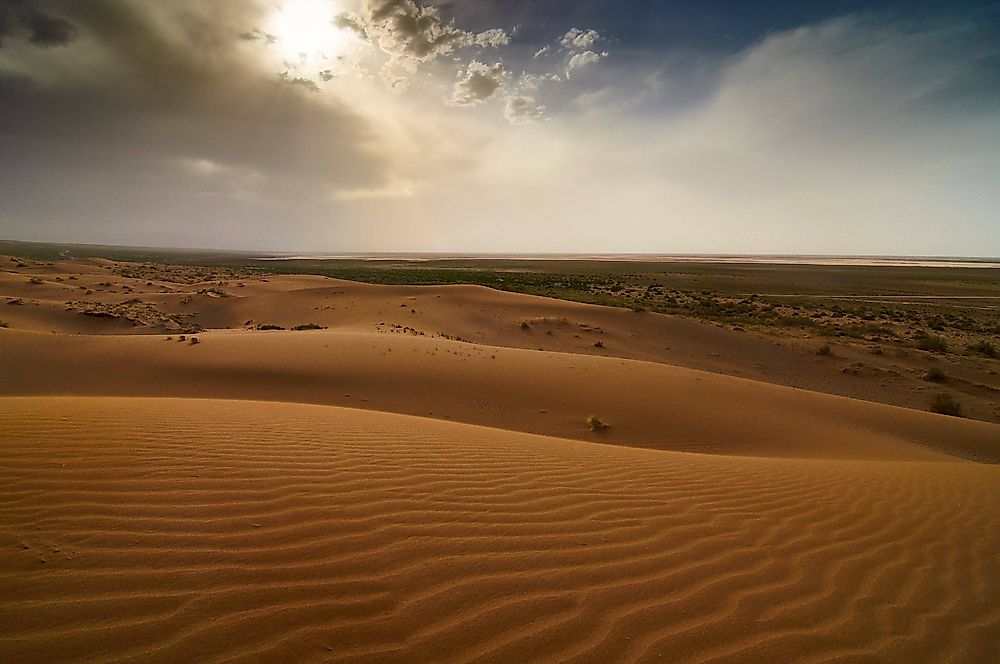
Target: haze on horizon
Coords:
[[835, 127]]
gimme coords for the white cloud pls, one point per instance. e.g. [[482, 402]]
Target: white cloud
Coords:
[[522, 109], [581, 60], [393, 189], [577, 39], [478, 84], [410, 33]]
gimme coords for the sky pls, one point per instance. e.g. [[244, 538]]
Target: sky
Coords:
[[509, 126]]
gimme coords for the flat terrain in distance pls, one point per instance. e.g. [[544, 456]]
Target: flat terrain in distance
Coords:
[[214, 457]]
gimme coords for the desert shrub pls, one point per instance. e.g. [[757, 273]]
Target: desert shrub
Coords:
[[985, 348], [182, 338], [596, 424], [525, 326], [598, 344], [269, 327], [308, 326], [35, 280], [796, 321], [825, 350], [945, 404], [194, 340], [932, 343], [3, 323], [936, 375]]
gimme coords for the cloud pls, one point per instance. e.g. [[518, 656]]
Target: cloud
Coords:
[[391, 190], [44, 30], [410, 33], [848, 136], [303, 81], [93, 133], [478, 84], [522, 109], [577, 39], [581, 60]]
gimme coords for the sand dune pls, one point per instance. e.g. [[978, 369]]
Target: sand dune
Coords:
[[479, 315], [378, 492], [201, 530], [647, 404]]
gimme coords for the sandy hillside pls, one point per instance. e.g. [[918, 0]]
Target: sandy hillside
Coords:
[[205, 530], [101, 297], [646, 404], [416, 481]]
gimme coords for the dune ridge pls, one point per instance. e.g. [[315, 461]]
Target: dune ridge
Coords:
[[648, 404], [180, 529]]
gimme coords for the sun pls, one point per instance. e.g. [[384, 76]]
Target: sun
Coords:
[[304, 30]]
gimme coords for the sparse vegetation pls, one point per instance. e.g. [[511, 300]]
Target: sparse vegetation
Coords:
[[3, 323], [525, 325], [932, 343], [135, 312], [268, 326], [595, 424], [35, 280], [308, 326], [598, 344], [945, 404], [825, 350], [984, 348], [936, 375], [194, 340]]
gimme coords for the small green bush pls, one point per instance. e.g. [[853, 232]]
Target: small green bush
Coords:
[[936, 375], [596, 424], [945, 404], [932, 343], [985, 348]]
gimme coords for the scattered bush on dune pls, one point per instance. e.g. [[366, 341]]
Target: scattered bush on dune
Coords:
[[825, 350], [309, 326], [596, 424], [269, 327], [985, 348], [936, 375], [945, 404], [932, 343]]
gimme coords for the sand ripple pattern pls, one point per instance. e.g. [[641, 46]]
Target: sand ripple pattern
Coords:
[[170, 530]]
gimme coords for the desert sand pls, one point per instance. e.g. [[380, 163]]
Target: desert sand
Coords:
[[416, 481]]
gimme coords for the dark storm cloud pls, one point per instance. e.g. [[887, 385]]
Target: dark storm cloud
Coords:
[[49, 30], [175, 85], [42, 29]]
